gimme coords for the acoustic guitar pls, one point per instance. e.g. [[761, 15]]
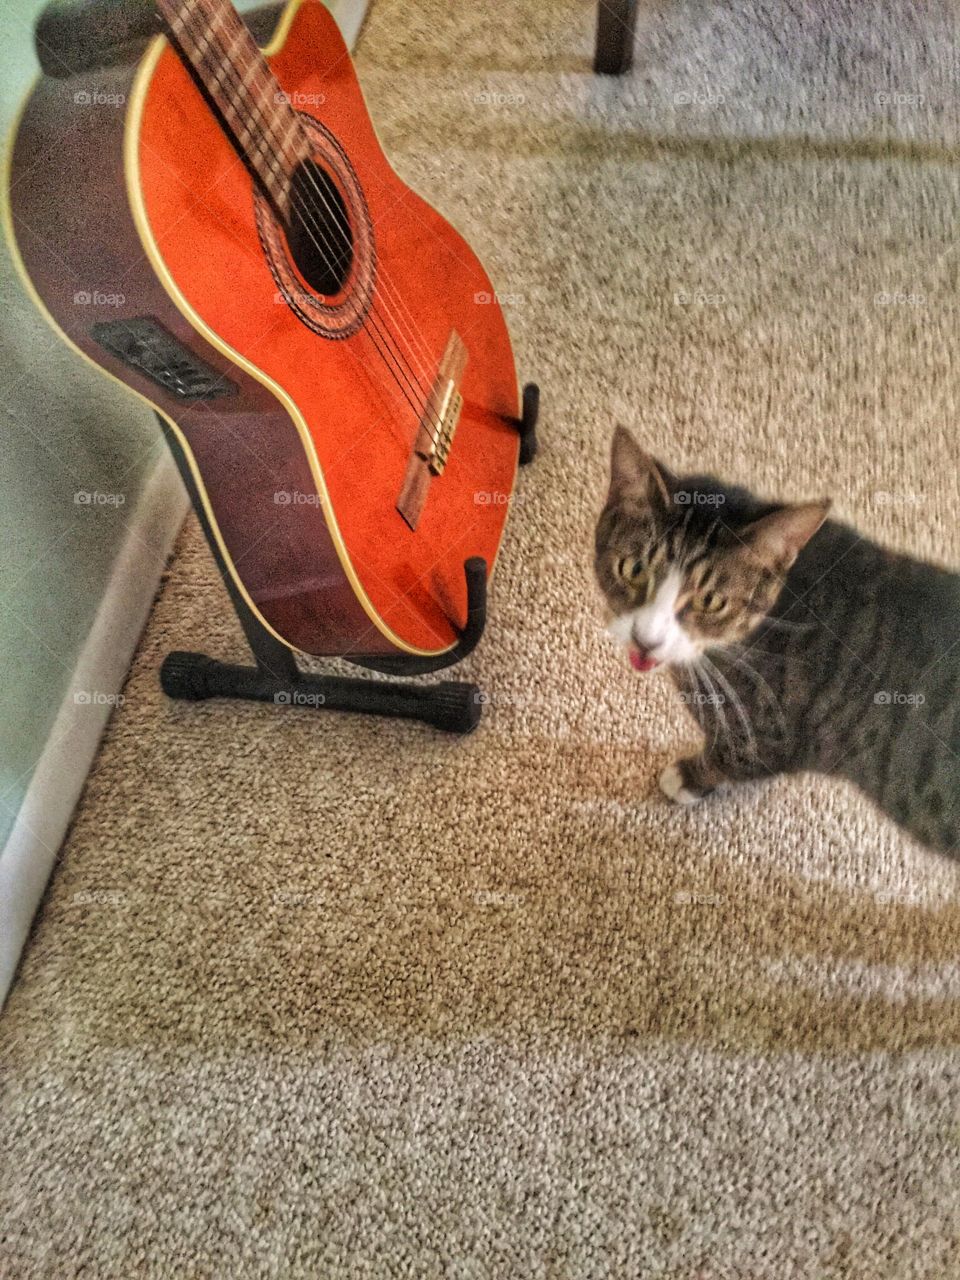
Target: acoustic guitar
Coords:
[[216, 226]]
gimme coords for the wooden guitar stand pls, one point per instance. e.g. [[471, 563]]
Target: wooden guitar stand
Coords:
[[452, 705]]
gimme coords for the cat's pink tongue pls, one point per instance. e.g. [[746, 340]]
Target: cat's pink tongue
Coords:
[[642, 662]]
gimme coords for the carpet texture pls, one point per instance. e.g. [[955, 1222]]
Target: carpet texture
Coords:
[[327, 997]]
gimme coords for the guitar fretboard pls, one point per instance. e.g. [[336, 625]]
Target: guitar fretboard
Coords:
[[224, 57]]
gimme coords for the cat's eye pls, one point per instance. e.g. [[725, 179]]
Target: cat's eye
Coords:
[[633, 572], [709, 602]]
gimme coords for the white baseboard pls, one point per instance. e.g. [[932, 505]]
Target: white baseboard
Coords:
[[30, 851]]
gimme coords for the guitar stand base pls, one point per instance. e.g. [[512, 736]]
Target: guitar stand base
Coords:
[[453, 705]]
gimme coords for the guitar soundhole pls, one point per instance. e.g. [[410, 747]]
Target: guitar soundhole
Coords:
[[319, 234], [322, 255]]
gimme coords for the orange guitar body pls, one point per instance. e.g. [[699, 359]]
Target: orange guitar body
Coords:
[[300, 468]]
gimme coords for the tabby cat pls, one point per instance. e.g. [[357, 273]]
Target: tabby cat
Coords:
[[796, 643]]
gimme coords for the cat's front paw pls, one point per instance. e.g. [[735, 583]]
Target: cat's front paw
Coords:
[[674, 787]]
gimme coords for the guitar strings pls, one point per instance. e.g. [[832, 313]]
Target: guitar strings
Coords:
[[236, 102], [264, 155], [423, 359], [258, 62], [390, 292]]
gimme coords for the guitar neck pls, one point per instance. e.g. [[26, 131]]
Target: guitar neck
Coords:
[[219, 50]]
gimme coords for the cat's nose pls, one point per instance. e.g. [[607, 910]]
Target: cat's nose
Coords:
[[646, 642]]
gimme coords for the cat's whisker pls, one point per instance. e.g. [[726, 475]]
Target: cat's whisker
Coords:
[[694, 673], [785, 624], [774, 701], [736, 703], [716, 701]]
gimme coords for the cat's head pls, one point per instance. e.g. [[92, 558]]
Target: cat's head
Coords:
[[687, 564]]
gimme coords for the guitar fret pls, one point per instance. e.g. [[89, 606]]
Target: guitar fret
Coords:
[[265, 126], [293, 128], [218, 18], [258, 153], [249, 74]]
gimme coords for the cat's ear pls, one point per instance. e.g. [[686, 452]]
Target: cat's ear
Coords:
[[634, 473], [777, 539]]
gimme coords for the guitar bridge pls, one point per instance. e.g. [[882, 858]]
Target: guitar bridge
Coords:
[[435, 431], [447, 421]]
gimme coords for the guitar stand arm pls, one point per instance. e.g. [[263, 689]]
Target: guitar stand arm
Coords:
[[527, 423], [475, 572]]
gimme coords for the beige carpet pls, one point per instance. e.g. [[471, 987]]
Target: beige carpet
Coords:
[[325, 997]]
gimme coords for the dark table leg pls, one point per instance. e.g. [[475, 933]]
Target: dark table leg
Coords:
[[616, 22]]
